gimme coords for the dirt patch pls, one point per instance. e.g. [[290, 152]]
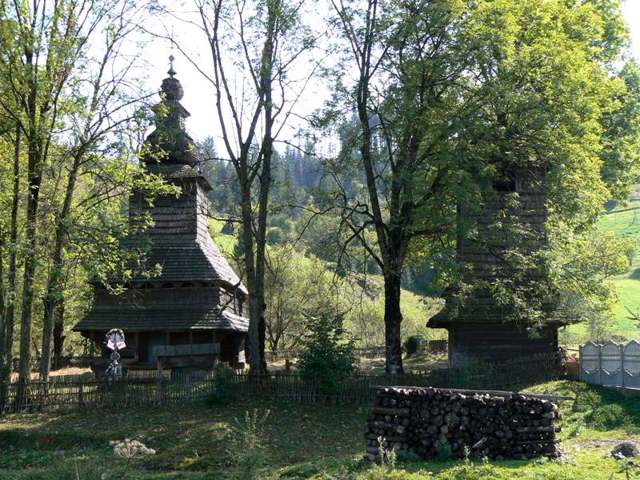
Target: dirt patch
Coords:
[[600, 443], [58, 373]]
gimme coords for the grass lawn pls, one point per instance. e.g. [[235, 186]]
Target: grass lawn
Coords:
[[626, 224], [300, 441]]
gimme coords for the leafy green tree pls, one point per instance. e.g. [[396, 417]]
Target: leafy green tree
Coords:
[[101, 119], [76, 123], [327, 356], [550, 99], [412, 59], [270, 39], [621, 168], [40, 45], [295, 284], [451, 96]]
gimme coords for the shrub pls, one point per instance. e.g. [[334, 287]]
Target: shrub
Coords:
[[607, 417], [586, 400], [473, 472], [443, 450], [414, 344], [327, 356], [382, 473], [225, 388]]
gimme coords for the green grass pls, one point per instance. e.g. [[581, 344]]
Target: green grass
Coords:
[[301, 442], [626, 224], [226, 243]]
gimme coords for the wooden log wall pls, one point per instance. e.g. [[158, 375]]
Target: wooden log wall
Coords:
[[426, 420]]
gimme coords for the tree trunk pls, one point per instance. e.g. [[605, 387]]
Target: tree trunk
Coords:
[[50, 307], [257, 327], [6, 361], [249, 261], [54, 284], [58, 336], [261, 234], [31, 240], [3, 331], [257, 363], [392, 324]]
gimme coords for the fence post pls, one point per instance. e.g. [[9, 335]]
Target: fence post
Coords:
[[599, 364], [580, 374], [159, 390], [81, 395], [622, 365]]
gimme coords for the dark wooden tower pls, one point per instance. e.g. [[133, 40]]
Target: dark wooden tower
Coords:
[[192, 313], [479, 328]]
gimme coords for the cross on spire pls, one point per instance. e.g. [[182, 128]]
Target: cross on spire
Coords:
[[171, 71]]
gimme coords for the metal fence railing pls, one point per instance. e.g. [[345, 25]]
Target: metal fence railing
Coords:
[[611, 364]]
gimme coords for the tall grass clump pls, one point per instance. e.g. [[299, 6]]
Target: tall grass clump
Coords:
[[248, 450]]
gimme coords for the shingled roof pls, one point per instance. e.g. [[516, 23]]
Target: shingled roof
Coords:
[[196, 262], [134, 318]]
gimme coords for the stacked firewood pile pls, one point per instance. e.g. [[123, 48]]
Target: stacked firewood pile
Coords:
[[430, 421]]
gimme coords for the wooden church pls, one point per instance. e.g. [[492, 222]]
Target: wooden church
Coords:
[[479, 327], [191, 314]]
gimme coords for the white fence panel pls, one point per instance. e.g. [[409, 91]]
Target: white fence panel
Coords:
[[611, 364], [590, 363], [631, 373]]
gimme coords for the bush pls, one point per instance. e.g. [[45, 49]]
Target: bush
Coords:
[[225, 388], [443, 450], [327, 356], [607, 417], [414, 344]]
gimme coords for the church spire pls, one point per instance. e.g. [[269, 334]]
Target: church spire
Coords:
[[171, 89], [170, 142]]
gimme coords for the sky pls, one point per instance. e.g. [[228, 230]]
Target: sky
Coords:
[[631, 9], [198, 98]]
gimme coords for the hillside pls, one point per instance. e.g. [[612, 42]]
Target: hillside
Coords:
[[624, 221], [362, 296]]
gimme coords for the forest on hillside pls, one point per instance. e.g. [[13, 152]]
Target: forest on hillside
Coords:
[[434, 104]]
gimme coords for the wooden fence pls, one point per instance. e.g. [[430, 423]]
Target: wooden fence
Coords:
[[137, 390], [431, 346], [153, 389], [365, 352]]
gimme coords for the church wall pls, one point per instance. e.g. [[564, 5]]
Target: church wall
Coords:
[[498, 342], [476, 329], [202, 222], [182, 304], [482, 252], [174, 218]]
